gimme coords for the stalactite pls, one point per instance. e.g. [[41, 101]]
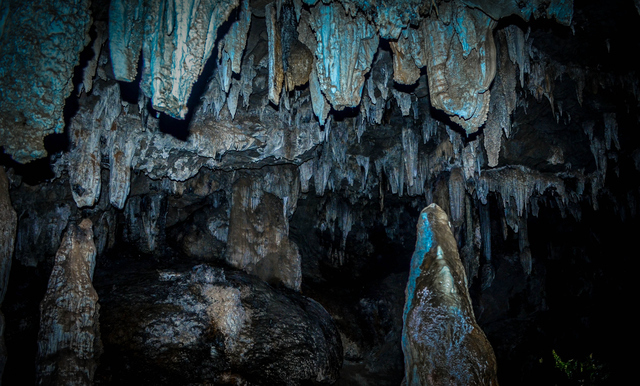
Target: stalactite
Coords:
[[177, 40], [523, 244], [457, 194], [611, 131], [121, 154], [519, 184], [470, 258], [276, 72], [93, 119], [344, 53], [410, 156], [462, 63], [231, 47], [485, 229], [40, 45], [258, 236], [405, 70]]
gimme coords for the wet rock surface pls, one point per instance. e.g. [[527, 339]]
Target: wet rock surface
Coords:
[[69, 338], [192, 324], [441, 340]]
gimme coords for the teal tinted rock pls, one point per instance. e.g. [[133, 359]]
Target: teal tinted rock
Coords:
[[40, 44], [441, 341]]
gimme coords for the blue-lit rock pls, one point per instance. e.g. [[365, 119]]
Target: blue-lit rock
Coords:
[[40, 43], [344, 53], [441, 341], [231, 47], [178, 38], [126, 27], [461, 63]]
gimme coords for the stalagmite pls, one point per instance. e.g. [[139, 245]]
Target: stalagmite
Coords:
[[8, 225], [441, 341], [69, 338]]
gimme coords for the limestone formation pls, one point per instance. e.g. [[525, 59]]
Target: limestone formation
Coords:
[[258, 240], [344, 53], [213, 325], [441, 340], [40, 44], [176, 39], [95, 118], [315, 132], [69, 338]]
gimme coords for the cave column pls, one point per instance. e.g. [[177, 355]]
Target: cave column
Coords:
[[69, 339], [8, 224]]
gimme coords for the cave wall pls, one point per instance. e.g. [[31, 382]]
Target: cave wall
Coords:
[[299, 140]]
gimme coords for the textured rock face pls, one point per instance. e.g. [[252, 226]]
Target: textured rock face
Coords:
[[258, 239], [337, 40], [316, 134], [8, 224], [94, 118], [176, 39], [344, 53], [205, 324], [441, 340], [40, 43], [69, 338]]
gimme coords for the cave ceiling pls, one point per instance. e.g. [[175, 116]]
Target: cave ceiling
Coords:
[[512, 98], [515, 98], [298, 140]]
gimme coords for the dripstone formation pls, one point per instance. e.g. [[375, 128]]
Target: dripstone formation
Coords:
[[238, 183]]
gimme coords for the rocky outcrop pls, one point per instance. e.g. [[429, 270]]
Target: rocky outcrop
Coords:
[[176, 39], [441, 340], [258, 240], [69, 338], [8, 225], [40, 44], [204, 324]]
